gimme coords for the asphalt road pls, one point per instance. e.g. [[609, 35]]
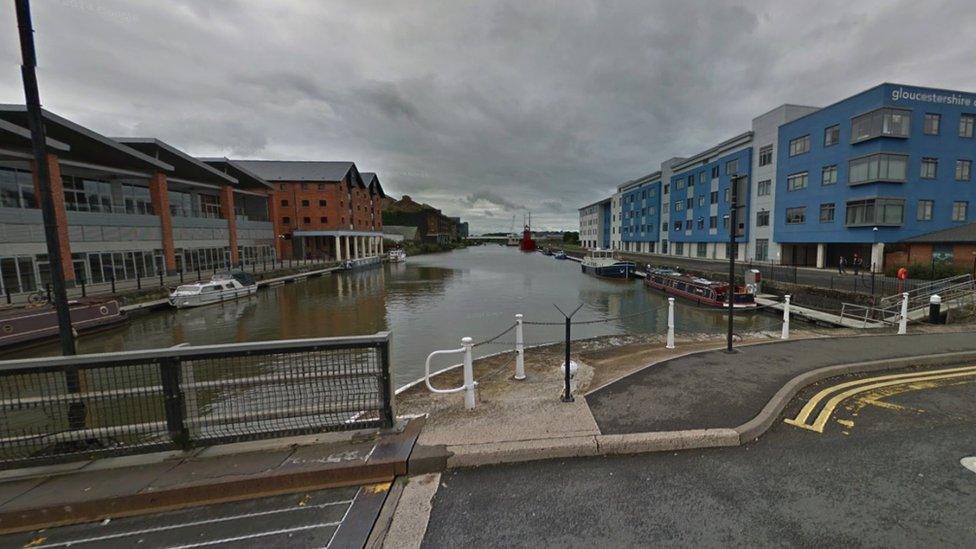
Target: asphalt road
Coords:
[[714, 389], [894, 479], [339, 517]]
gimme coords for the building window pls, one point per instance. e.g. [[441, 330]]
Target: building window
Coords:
[[664, 227], [282, 186], [138, 201], [924, 211], [796, 181], [713, 222], [964, 169], [701, 223], [884, 122], [701, 200], [959, 211], [713, 197], [930, 166], [677, 225], [728, 195], [966, 123], [762, 218], [764, 187], [827, 213], [666, 187], [306, 220], [284, 202], [691, 203], [321, 186], [796, 216], [691, 180], [702, 250], [679, 206], [715, 172], [679, 248], [286, 221], [732, 167], [766, 155], [877, 167], [800, 145], [762, 249], [323, 220], [875, 211], [680, 183], [832, 135], [931, 124], [305, 203], [829, 175], [702, 176]]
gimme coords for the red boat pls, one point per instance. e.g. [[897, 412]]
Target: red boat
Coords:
[[527, 244], [22, 326], [699, 290]]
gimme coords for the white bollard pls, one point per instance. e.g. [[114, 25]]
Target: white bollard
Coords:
[[469, 383], [670, 344], [903, 321], [786, 317], [519, 349]]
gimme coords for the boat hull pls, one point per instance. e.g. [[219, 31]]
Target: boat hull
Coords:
[[622, 270], [27, 327], [691, 296], [362, 263]]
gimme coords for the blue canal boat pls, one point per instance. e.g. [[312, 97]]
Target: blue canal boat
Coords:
[[604, 263]]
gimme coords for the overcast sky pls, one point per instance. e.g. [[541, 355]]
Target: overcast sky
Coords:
[[483, 109]]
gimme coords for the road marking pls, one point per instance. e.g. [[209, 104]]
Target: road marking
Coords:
[[818, 424], [257, 535], [187, 525], [969, 463], [811, 405]]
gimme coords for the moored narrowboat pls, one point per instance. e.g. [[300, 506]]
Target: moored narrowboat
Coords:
[[700, 290], [604, 263], [23, 326]]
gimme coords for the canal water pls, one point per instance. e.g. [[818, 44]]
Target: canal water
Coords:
[[428, 303]]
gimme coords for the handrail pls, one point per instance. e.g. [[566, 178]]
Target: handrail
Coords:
[[469, 383]]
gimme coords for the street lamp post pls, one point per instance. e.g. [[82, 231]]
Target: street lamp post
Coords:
[[733, 207]]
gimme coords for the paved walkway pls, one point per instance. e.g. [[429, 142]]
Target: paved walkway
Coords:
[[716, 390]]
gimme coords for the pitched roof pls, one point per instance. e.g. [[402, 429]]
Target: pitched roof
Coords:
[[298, 170], [958, 234], [184, 165], [373, 183]]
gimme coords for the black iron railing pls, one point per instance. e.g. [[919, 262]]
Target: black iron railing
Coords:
[[182, 397]]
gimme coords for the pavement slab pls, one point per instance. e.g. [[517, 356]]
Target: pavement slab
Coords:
[[715, 390]]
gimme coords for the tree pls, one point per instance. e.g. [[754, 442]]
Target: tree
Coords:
[[571, 237]]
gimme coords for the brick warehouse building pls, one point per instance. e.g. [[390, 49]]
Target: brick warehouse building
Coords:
[[124, 210], [323, 210]]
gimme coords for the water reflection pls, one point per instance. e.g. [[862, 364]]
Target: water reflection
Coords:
[[427, 303]]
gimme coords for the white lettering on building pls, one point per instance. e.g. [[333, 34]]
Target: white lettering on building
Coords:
[[901, 94]]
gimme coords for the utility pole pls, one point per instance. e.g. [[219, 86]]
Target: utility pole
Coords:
[[39, 144], [733, 207]]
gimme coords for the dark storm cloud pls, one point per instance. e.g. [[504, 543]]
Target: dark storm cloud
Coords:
[[483, 109]]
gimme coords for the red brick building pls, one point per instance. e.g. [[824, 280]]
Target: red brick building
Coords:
[[323, 209]]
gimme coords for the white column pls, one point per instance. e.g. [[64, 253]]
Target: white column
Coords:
[[355, 247], [338, 248], [380, 238], [877, 257], [346, 243], [821, 256]]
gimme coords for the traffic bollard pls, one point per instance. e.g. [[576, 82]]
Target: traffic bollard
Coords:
[[670, 342], [786, 317], [903, 321], [519, 349]]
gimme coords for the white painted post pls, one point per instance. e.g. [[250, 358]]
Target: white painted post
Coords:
[[670, 343], [786, 317], [903, 321], [469, 384], [519, 349]]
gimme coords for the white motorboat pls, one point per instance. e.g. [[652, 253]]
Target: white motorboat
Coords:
[[397, 255], [222, 287]]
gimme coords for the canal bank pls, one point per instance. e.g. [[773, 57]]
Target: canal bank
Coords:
[[429, 302]]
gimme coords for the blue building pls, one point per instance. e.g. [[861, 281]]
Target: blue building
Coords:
[[871, 171], [700, 199], [640, 215]]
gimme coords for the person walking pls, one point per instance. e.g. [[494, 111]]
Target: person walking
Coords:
[[842, 265], [858, 263]]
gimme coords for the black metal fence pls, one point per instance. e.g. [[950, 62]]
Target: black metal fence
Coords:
[[71, 408]]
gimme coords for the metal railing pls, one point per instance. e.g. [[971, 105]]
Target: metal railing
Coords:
[[919, 295], [85, 406], [890, 309]]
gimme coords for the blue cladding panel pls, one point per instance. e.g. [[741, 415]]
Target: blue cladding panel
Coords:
[[702, 200], [640, 213], [947, 147], [605, 219]]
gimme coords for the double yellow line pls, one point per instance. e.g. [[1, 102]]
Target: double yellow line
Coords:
[[852, 388]]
